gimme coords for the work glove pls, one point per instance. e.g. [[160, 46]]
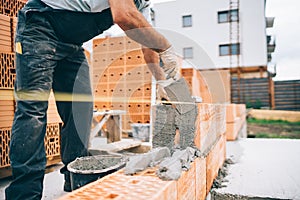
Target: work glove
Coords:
[[170, 63], [161, 94]]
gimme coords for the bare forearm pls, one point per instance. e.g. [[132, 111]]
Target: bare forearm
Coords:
[[152, 60], [136, 26]]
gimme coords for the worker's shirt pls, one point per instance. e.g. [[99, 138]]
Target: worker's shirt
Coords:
[[95, 6]]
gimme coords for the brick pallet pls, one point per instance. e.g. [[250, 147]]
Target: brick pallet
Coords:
[[121, 79]]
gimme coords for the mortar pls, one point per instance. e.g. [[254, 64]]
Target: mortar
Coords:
[[85, 170]]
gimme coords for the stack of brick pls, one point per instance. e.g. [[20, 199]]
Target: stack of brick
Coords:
[[235, 120], [121, 79], [8, 23], [212, 86], [193, 184]]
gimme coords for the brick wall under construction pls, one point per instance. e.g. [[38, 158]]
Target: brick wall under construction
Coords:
[[8, 23]]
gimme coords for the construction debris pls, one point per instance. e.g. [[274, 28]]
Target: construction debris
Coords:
[[141, 162], [171, 167]]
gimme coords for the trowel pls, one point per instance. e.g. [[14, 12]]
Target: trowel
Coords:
[[179, 96]]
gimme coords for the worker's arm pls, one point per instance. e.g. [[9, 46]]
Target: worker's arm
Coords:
[[152, 60], [126, 15]]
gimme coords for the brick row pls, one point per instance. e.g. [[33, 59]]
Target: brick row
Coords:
[[146, 185], [7, 67], [5, 34], [210, 124], [52, 143], [52, 114], [5, 134], [214, 161], [113, 44], [11, 7], [7, 109], [236, 117], [52, 140], [14, 21]]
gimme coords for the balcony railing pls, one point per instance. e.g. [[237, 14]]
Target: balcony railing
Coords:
[[269, 22]]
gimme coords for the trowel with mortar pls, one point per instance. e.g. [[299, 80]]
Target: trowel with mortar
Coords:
[[179, 96]]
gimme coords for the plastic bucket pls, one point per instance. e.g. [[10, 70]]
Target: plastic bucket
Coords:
[[85, 170], [141, 131]]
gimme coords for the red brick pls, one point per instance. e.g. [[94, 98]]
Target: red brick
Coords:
[[231, 113], [186, 184], [200, 175]]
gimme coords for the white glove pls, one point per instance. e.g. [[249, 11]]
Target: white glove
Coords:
[[161, 93], [170, 63]]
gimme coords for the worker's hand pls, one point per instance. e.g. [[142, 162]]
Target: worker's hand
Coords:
[[161, 94], [170, 63]]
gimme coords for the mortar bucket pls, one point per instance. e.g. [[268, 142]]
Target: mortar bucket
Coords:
[[85, 170], [141, 131]]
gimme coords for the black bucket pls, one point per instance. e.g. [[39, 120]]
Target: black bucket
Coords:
[[85, 170]]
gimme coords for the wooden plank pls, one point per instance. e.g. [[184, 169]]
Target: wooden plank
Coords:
[[118, 146], [291, 116]]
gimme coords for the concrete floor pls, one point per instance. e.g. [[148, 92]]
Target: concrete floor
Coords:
[[263, 168], [53, 184]]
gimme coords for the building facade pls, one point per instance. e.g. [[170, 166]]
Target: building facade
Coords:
[[227, 34]]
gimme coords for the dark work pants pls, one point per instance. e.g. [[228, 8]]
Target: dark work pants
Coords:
[[44, 62]]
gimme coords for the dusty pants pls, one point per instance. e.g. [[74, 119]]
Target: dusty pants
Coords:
[[45, 62]]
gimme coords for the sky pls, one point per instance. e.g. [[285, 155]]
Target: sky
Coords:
[[286, 30]]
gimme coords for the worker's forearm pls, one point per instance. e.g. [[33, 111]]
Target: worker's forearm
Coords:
[[136, 26], [152, 60]]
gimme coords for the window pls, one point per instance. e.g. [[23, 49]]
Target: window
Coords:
[[228, 16], [229, 49], [188, 52], [187, 21]]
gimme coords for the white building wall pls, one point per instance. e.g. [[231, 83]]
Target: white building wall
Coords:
[[207, 34]]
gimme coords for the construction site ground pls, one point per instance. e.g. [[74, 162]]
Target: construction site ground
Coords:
[[261, 169], [256, 168], [258, 128]]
